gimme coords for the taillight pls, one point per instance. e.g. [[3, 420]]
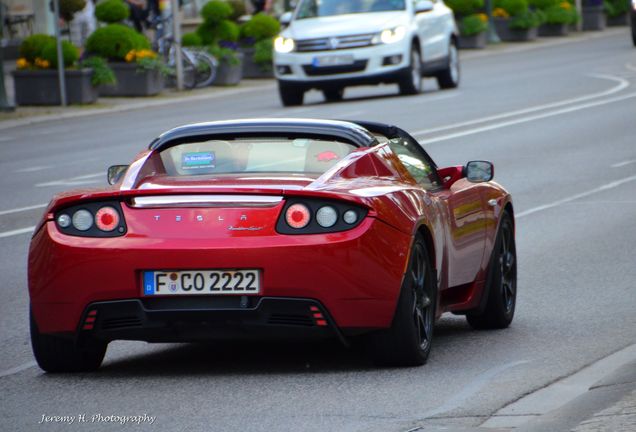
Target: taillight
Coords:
[[316, 216], [107, 219], [297, 216], [96, 219]]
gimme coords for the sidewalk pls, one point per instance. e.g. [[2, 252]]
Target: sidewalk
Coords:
[[621, 417]]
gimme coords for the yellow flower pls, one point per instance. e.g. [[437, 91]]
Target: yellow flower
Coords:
[[483, 17], [566, 6], [44, 64], [22, 63], [500, 13], [145, 53], [130, 57]]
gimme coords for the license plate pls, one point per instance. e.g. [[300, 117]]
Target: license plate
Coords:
[[333, 60], [201, 282]]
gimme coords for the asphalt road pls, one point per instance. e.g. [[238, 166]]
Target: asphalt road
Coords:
[[558, 122]]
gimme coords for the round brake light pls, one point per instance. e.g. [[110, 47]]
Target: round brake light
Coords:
[[297, 216], [107, 219]]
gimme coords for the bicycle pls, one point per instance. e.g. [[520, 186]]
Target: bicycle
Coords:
[[199, 67]]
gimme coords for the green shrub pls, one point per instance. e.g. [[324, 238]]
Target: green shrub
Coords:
[[542, 4], [227, 31], [238, 9], [261, 27], [191, 39], [224, 54], [32, 46], [263, 53], [70, 53], [614, 8], [561, 15], [102, 74], [473, 24], [465, 7], [216, 11], [111, 11], [114, 41], [525, 20], [513, 7], [68, 8]]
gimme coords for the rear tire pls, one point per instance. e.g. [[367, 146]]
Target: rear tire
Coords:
[[333, 94], [411, 82], [408, 341], [59, 354], [290, 95], [501, 282], [449, 77]]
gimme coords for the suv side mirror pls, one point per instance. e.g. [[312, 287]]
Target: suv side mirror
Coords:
[[424, 6], [479, 171], [286, 18], [115, 173]]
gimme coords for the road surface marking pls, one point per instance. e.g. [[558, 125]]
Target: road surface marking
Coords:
[[17, 369], [32, 169], [622, 164], [605, 187], [630, 66], [622, 84], [73, 181], [17, 232], [21, 209], [526, 119], [471, 389]]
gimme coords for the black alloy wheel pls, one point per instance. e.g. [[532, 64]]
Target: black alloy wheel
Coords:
[[501, 286], [411, 81], [449, 77], [408, 341], [290, 95]]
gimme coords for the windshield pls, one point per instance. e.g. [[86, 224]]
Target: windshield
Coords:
[[254, 155], [322, 8]]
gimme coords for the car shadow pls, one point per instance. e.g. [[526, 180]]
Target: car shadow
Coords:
[[391, 92]]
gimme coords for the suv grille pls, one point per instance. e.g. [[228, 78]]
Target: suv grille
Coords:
[[334, 43], [357, 66]]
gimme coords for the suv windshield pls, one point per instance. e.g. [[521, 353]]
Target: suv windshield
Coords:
[[322, 8], [254, 155]]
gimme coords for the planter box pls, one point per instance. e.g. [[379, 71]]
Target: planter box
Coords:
[[618, 21], [507, 34], [593, 18], [554, 29], [131, 82], [477, 41], [251, 69], [229, 74], [41, 87]]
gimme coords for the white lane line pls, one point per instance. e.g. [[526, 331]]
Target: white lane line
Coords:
[[6, 138], [605, 187], [21, 209], [622, 84], [17, 369], [622, 164], [525, 119], [17, 232], [471, 389], [32, 169], [73, 181]]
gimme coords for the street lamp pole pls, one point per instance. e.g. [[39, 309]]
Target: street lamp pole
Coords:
[[4, 103], [493, 37], [60, 56], [176, 35]]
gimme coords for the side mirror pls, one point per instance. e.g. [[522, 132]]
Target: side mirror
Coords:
[[115, 173], [424, 6], [286, 18], [479, 171]]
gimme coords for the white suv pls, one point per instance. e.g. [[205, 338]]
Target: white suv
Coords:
[[331, 44]]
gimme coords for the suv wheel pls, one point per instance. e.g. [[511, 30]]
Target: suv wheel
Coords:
[[290, 95], [333, 94], [411, 82], [449, 77]]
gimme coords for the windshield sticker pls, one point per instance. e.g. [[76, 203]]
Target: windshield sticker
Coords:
[[327, 156], [198, 160]]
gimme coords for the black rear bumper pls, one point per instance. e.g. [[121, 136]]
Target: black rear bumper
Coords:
[[191, 319]]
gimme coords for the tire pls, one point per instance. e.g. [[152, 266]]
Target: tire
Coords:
[[290, 95], [449, 77], [333, 94], [59, 354], [206, 67], [411, 82], [633, 29], [408, 341], [501, 282]]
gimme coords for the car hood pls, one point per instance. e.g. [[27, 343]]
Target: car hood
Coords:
[[342, 25]]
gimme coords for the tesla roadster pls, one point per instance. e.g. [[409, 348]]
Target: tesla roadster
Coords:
[[286, 228]]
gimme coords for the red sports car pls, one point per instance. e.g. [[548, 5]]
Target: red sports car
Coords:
[[272, 228]]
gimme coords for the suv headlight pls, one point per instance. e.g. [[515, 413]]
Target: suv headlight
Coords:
[[391, 35], [284, 45]]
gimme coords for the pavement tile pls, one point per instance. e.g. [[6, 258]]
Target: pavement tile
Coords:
[[620, 417]]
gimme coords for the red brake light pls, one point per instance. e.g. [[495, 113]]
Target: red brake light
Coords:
[[297, 216], [107, 219]]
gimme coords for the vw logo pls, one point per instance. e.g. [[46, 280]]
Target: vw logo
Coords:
[[333, 43]]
